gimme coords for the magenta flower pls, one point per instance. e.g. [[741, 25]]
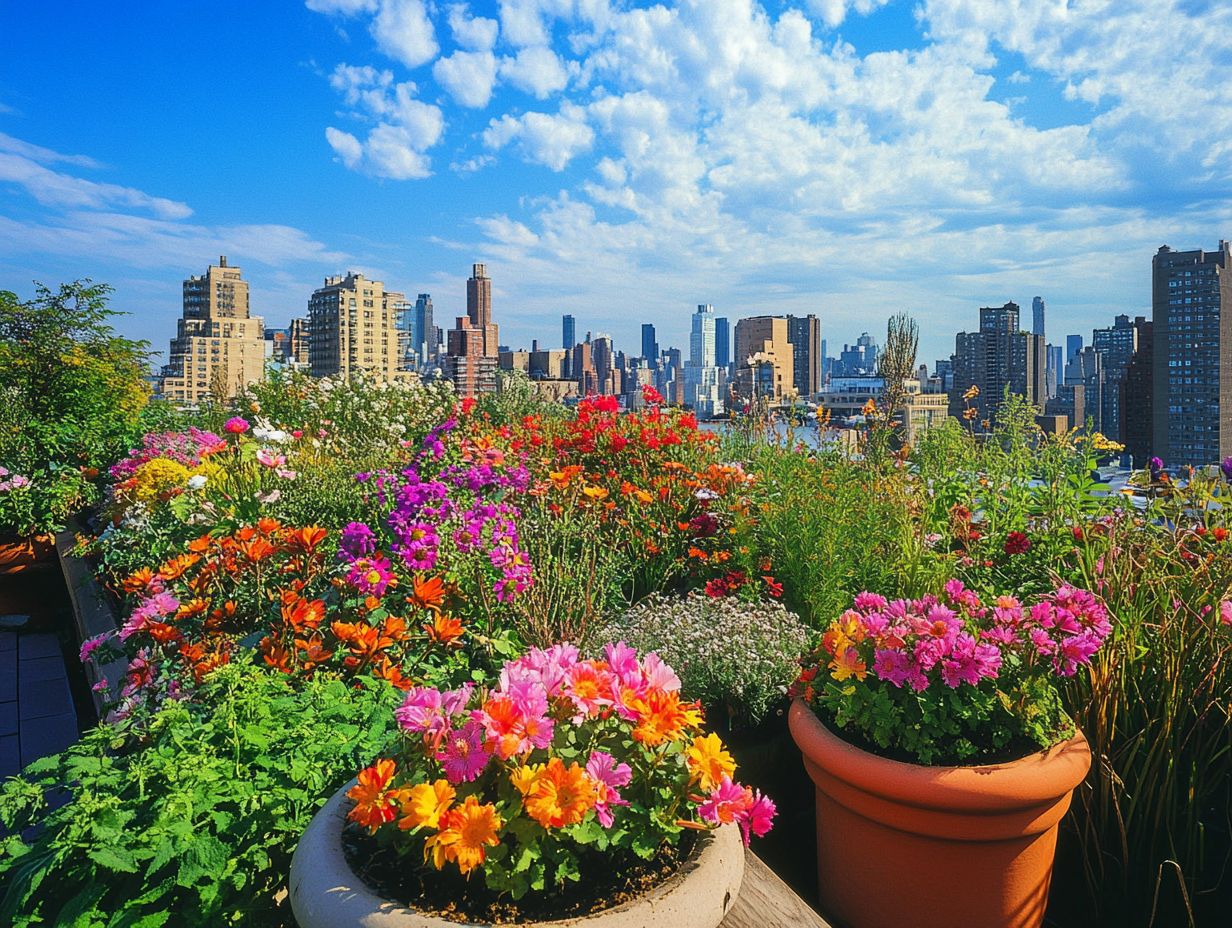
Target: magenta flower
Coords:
[[270, 459], [426, 710], [463, 754], [726, 802], [970, 662], [758, 817], [610, 776], [1225, 612], [236, 426], [371, 576], [90, 645]]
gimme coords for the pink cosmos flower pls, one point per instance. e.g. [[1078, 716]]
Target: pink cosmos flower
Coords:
[[659, 675], [1225, 612], [90, 645], [869, 602], [270, 459], [236, 426], [610, 776], [590, 689], [463, 754], [427, 711], [155, 607], [970, 662], [371, 576], [622, 660]]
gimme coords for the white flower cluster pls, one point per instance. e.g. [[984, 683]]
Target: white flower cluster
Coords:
[[732, 654]]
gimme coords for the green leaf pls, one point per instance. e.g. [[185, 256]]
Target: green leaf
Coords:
[[114, 858]]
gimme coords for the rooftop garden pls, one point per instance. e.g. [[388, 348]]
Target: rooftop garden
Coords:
[[500, 660]]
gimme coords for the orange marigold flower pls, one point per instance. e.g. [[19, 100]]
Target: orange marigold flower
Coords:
[[561, 796], [709, 762], [267, 525], [444, 629], [374, 801], [424, 804], [257, 549], [138, 580], [174, 568], [427, 593], [202, 544], [662, 717], [306, 539], [466, 832]]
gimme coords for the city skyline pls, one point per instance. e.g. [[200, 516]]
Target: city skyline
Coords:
[[774, 174]]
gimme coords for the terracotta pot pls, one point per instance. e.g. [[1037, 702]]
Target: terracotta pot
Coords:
[[935, 847], [325, 892], [21, 553]]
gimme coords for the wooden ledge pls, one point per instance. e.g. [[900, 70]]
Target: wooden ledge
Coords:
[[765, 901]]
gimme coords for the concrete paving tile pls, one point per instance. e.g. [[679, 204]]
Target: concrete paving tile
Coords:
[[10, 758], [8, 641], [38, 668], [8, 676], [47, 736], [8, 718], [43, 698], [41, 645]]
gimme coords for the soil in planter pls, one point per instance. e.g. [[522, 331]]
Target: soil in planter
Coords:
[[607, 880]]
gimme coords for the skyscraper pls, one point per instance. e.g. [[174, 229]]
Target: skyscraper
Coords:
[[722, 342], [703, 381], [218, 346], [603, 358], [1116, 346], [804, 333], [650, 347], [1191, 305], [998, 357], [1037, 315], [568, 326], [427, 335], [479, 308], [1054, 369], [1073, 345], [1138, 397]]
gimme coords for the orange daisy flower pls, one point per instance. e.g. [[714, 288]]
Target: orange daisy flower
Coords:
[[374, 801], [427, 593], [425, 804], [467, 832], [444, 629], [561, 795]]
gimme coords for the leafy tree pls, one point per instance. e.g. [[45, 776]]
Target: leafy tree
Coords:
[[72, 389]]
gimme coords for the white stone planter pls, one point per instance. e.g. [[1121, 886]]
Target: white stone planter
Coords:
[[325, 893]]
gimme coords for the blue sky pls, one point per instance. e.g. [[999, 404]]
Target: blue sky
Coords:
[[621, 161]]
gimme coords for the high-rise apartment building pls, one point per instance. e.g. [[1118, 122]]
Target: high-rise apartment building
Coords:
[[473, 344], [297, 348], [765, 363], [722, 342], [804, 333], [568, 327], [353, 328], [219, 347], [1191, 305], [650, 345], [998, 357], [1073, 345], [1037, 315], [1116, 346], [1138, 397]]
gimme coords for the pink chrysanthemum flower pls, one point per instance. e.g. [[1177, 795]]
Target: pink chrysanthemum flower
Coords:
[[610, 776]]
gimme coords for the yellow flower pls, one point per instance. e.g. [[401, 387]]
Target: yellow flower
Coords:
[[425, 804], [709, 761], [157, 476], [972, 392], [466, 832], [847, 664], [595, 493], [525, 777]]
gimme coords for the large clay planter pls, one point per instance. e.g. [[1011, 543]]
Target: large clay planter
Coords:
[[935, 847], [325, 893], [21, 553]]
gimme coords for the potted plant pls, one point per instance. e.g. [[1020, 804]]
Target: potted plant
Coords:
[[942, 757], [576, 789]]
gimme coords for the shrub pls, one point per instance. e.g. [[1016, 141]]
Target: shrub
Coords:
[[736, 656], [197, 824]]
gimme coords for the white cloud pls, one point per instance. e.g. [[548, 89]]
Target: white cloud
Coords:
[[535, 69], [391, 151], [833, 12], [477, 33], [551, 140], [344, 7], [348, 147], [54, 188], [404, 32], [468, 77], [43, 155]]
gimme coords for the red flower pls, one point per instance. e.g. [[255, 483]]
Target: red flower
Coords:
[[1078, 533], [1017, 543]]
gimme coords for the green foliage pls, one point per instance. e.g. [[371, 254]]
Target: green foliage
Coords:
[[196, 824], [71, 393]]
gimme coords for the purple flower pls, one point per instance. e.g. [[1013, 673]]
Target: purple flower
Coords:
[[1226, 468], [358, 540], [1156, 468]]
